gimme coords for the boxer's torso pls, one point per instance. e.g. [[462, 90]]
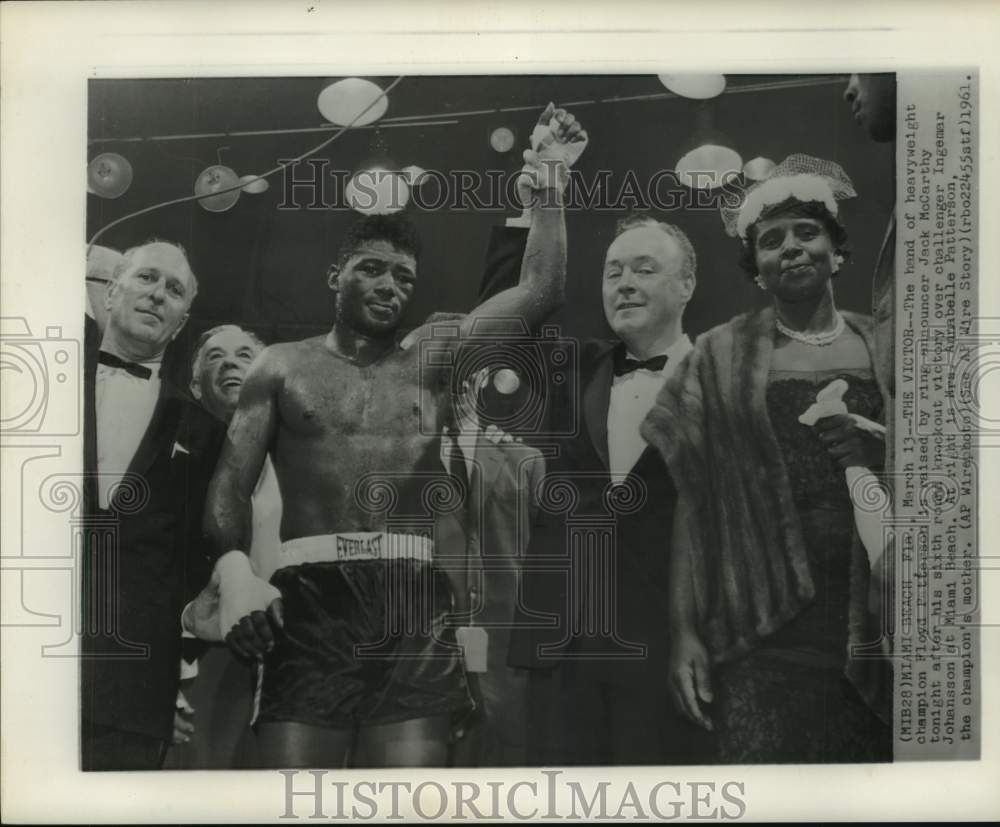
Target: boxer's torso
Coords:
[[349, 433]]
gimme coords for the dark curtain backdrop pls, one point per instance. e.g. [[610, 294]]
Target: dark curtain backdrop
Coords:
[[265, 268]]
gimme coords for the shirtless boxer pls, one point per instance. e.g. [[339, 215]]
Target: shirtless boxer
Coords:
[[357, 665]]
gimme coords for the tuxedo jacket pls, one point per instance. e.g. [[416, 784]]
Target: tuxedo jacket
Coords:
[[142, 558], [595, 576]]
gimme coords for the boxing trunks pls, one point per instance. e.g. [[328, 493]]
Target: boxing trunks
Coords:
[[364, 638]]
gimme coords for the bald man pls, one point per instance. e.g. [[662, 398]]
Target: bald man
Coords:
[[101, 265], [149, 451]]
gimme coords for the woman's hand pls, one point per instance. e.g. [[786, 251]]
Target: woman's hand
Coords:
[[689, 678], [850, 442]]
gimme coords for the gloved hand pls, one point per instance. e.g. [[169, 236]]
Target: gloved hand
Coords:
[[248, 606]]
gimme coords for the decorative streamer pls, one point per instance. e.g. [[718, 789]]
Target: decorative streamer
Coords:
[[240, 184]]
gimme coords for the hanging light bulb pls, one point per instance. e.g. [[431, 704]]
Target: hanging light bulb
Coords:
[[377, 191], [254, 184], [697, 87], [109, 175], [212, 180], [343, 101], [758, 169]]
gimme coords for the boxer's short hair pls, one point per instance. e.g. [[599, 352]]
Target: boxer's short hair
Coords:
[[395, 229]]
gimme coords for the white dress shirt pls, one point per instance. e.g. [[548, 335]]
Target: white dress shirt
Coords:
[[632, 397], [124, 409]]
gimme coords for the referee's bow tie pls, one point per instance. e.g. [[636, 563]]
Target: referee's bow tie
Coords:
[[626, 364], [112, 361]]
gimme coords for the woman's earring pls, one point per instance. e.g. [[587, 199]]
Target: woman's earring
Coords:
[[838, 260], [759, 282]]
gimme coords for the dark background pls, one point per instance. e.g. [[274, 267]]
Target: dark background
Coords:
[[265, 268]]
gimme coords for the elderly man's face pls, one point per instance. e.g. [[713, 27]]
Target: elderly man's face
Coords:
[[224, 361], [643, 289], [148, 303]]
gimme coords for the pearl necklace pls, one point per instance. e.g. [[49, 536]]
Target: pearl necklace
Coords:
[[827, 337]]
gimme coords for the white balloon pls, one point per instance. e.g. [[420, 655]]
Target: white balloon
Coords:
[[708, 166], [502, 139], [506, 381], [377, 192], [414, 175], [697, 87], [758, 168], [344, 101], [214, 179], [254, 184], [109, 175]]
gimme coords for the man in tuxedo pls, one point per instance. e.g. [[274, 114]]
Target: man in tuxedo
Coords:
[[149, 452], [482, 544], [597, 561]]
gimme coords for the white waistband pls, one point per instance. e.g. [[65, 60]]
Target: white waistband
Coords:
[[361, 545]]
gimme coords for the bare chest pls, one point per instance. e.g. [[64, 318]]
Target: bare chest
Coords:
[[332, 397]]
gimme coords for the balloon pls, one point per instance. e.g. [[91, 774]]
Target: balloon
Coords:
[[708, 166], [506, 381], [254, 184], [502, 139], [758, 168], [377, 191], [109, 175], [414, 175], [213, 179], [698, 87], [345, 100]]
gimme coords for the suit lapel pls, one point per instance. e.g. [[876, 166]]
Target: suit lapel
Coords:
[[596, 398], [159, 435]]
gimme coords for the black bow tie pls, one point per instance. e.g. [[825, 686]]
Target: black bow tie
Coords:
[[625, 364], [112, 361]]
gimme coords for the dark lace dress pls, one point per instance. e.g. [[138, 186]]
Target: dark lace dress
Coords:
[[788, 700]]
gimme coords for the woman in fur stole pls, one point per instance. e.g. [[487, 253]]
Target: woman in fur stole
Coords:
[[773, 644]]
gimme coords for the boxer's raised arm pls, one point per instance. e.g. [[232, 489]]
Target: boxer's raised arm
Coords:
[[229, 511], [541, 288], [557, 142]]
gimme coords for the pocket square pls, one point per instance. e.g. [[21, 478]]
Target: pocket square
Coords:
[[179, 449]]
